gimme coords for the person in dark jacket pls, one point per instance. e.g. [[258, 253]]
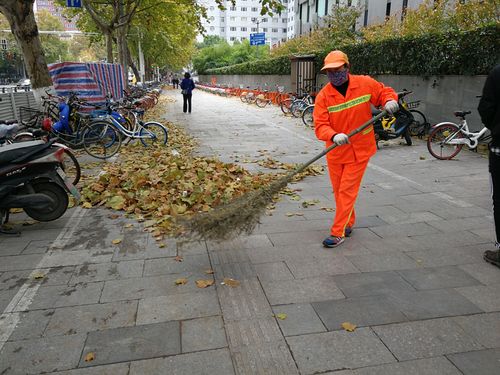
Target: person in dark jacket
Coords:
[[187, 86], [489, 110]]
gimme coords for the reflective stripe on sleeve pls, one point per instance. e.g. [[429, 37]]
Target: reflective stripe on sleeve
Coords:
[[351, 103]]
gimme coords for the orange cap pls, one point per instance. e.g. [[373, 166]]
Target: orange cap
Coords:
[[335, 59]]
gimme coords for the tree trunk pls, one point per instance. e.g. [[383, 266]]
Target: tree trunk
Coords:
[[109, 47], [22, 22], [133, 66]]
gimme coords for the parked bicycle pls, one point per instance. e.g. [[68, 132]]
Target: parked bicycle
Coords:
[[447, 139]]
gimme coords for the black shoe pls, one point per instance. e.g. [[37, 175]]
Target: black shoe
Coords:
[[492, 257], [348, 231]]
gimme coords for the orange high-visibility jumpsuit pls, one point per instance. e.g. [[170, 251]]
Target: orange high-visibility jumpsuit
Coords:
[[334, 113]]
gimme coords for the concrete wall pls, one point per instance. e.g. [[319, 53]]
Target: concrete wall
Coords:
[[440, 96]]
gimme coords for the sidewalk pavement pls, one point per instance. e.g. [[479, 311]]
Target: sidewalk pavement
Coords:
[[411, 277]]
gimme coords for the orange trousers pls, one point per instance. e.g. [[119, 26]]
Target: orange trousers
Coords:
[[345, 179]]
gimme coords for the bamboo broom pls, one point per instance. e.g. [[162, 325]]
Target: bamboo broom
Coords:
[[243, 214]]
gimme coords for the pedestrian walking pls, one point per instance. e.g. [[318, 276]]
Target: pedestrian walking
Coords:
[[340, 107], [489, 110], [187, 86]]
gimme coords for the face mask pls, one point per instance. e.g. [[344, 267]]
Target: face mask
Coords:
[[338, 78]]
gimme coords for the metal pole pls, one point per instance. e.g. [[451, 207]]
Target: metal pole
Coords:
[[141, 61]]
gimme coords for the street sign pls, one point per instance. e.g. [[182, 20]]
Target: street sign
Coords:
[[74, 3], [257, 39]]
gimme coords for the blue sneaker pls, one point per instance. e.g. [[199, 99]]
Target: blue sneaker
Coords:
[[332, 241], [348, 231]]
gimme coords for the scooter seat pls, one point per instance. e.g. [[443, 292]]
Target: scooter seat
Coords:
[[14, 151]]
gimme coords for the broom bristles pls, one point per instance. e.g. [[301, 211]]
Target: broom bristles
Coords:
[[239, 216]]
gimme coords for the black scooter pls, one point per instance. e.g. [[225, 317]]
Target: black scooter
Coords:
[[396, 126], [31, 178]]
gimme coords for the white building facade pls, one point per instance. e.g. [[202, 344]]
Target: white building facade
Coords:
[[236, 23]]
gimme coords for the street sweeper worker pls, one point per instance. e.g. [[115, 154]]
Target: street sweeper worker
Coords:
[[340, 107]]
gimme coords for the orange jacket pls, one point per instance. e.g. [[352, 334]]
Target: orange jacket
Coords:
[[334, 113]]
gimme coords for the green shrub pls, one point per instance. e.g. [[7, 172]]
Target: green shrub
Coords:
[[279, 65]]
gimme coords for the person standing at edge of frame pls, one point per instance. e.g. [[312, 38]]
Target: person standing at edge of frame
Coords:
[[341, 106], [489, 110], [187, 86]]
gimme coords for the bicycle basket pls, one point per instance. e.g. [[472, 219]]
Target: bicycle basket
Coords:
[[281, 89], [31, 117], [414, 104]]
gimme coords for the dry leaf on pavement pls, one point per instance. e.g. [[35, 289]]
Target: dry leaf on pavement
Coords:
[[281, 316], [204, 283], [181, 281], [230, 282], [349, 327], [209, 272], [178, 258], [116, 241], [90, 357]]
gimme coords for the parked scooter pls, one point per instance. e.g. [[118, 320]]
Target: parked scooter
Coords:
[[397, 126], [31, 178]]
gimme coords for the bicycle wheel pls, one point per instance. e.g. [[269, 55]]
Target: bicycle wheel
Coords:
[[286, 104], [71, 166], [261, 102], [154, 132], [407, 137], [297, 107], [243, 97], [251, 98], [436, 145], [307, 116], [101, 140], [419, 126]]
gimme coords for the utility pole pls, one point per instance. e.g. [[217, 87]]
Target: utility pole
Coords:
[[141, 60]]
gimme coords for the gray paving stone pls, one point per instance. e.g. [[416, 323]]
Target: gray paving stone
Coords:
[[208, 362], [165, 266], [203, 334], [438, 277], [81, 319], [36, 356], [31, 324], [300, 319], [293, 238], [372, 283], [484, 272], [427, 366], [10, 247], [339, 350], [13, 279], [383, 262], [264, 358], [428, 338], [485, 328], [432, 304], [238, 271], [403, 230], [116, 369], [487, 298], [439, 256], [411, 218], [178, 307], [245, 302], [191, 247], [483, 362], [132, 343], [127, 289], [273, 271], [246, 242], [20, 262], [59, 258], [107, 271], [62, 295], [56, 275], [5, 297], [301, 290], [335, 264], [467, 223], [37, 247], [363, 311]]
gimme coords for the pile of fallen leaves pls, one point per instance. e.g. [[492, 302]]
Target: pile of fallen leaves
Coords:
[[166, 184]]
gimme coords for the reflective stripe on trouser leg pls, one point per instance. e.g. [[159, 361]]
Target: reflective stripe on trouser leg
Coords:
[[346, 180]]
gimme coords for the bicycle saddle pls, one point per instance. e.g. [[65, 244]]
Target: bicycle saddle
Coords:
[[462, 113]]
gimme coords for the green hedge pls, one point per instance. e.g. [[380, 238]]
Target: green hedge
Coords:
[[279, 65], [461, 53]]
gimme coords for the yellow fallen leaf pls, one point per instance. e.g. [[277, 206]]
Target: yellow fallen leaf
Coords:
[[129, 225], [90, 357], [178, 258], [281, 316], [116, 241], [38, 275], [230, 282], [87, 205], [209, 272], [349, 327], [113, 216], [181, 281], [161, 245], [204, 283]]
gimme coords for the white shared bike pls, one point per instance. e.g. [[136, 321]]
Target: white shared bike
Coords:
[[446, 139]]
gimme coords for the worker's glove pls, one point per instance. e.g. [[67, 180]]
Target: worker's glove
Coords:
[[340, 139], [391, 107]]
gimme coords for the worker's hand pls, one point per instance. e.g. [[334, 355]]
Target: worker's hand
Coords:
[[391, 106], [340, 139]]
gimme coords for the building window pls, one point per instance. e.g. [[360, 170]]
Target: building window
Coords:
[[3, 44], [275, 20], [255, 9], [254, 29], [232, 28], [243, 38], [388, 9], [212, 28], [232, 18], [232, 39], [264, 20], [233, 9], [308, 7], [212, 18], [243, 18], [404, 8], [212, 8], [221, 29], [321, 8], [243, 9], [222, 19], [284, 20], [243, 28], [274, 30], [264, 29]]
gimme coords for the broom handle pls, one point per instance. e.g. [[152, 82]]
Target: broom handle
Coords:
[[326, 151]]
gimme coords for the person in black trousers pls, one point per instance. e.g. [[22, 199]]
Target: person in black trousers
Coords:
[[489, 110], [187, 86]]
